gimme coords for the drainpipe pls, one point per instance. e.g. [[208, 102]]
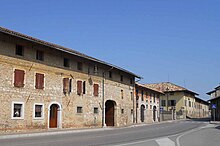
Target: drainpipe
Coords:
[[103, 97]]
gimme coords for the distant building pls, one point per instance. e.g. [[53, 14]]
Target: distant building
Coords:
[[201, 108], [147, 104], [215, 101], [45, 86], [179, 99]]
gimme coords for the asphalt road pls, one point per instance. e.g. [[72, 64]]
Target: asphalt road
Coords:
[[163, 134]]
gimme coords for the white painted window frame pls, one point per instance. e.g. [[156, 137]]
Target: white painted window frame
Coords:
[[42, 112], [22, 110]]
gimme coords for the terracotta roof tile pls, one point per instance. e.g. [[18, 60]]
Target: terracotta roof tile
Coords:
[[168, 87], [150, 88]]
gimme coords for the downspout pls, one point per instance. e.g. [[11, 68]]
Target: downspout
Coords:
[[103, 96]]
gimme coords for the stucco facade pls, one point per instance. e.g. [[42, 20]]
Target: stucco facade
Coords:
[[181, 100], [73, 110]]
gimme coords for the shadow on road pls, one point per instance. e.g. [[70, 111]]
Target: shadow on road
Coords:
[[218, 127], [201, 119]]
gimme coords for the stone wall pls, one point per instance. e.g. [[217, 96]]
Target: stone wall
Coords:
[[52, 68]]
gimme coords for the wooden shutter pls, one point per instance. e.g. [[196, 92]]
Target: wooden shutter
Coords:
[[19, 78], [39, 83], [79, 87], [65, 85], [70, 85], [96, 89], [84, 87]]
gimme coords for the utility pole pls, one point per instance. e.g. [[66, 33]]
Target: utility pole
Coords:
[[167, 97]]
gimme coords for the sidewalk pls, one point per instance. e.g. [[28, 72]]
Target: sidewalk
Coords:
[[215, 122], [71, 131]]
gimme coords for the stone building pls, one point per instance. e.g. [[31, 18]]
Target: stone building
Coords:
[[201, 108], [178, 99], [44, 85], [147, 104], [215, 102]]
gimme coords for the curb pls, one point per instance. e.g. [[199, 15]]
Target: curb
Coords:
[[59, 132], [51, 133]]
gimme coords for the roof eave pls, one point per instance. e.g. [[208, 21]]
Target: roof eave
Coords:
[[70, 52]]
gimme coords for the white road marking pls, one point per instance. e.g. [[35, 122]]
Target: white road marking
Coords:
[[165, 142], [191, 131]]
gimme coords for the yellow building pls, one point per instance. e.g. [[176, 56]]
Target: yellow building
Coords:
[[176, 98]]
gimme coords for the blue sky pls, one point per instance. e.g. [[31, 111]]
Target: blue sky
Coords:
[[176, 41]]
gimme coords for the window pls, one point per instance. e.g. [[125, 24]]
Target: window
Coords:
[[96, 110], [122, 78], [19, 78], [137, 97], [66, 62], [122, 111], [38, 111], [40, 55], [171, 102], [151, 97], [163, 102], [122, 94], [39, 82], [189, 103], [79, 87], [17, 110], [96, 89], [67, 85], [19, 50], [110, 74], [79, 65], [142, 95], [150, 106], [84, 87], [79, 109]]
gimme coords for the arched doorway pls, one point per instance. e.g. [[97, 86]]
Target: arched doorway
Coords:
[[142, 113], [154, 113], [54, 116], [110, 113]]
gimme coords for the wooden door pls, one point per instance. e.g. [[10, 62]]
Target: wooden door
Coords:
[[109, 113], [142, 113], [154, 113], [53, 116]]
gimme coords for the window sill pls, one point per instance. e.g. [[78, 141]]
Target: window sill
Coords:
[[40, 118], [17, 118]]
